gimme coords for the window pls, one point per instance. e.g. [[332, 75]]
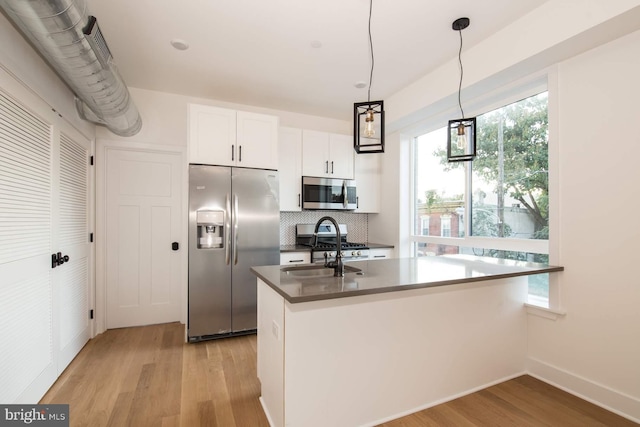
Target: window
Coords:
[[424, 228], [497, 205], [445, 225]]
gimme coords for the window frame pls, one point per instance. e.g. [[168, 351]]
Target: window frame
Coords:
[[543, 82]]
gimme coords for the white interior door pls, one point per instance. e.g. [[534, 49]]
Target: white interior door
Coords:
[[43, 209], [143, 218]]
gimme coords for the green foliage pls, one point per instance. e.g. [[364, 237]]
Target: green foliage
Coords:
[[524, 129]]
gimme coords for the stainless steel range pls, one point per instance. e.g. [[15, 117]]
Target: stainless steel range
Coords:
[[327, 242]]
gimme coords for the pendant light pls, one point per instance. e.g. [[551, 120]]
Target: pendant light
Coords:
[[461, 133], [368, 117]]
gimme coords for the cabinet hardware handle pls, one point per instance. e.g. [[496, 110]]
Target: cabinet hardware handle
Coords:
[[239, 153], [296, 260], [58, 259], [326, 166], [298, 199], [233, 150], [379, 256], [332, 167], [175, 246], [357, 202]]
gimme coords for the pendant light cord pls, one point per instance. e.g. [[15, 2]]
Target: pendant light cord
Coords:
[[461, 74], [371, 49]]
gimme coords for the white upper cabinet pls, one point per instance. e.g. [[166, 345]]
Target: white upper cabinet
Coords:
[[212, 134], [327, 155], [315, 153], [290, 169], [368, 183], [220, 136], [257, 140], [341, 155]]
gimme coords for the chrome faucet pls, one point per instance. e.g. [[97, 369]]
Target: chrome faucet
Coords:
[[337, 265]]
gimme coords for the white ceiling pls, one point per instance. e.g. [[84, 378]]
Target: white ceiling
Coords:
[[259, 52]]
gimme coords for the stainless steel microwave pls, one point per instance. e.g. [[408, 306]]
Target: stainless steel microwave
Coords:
[[328, 194]]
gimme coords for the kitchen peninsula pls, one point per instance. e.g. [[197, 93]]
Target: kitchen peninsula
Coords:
[[389, 338]]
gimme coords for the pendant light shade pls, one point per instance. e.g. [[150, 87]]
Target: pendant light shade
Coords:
[[461, 133], [368, 127], [461, 140]]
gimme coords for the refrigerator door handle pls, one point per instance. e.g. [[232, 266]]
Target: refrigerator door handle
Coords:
[[227, 226], [235, 229]]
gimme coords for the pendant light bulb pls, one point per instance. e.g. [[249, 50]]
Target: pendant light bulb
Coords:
[[461, 140], [369, 130]]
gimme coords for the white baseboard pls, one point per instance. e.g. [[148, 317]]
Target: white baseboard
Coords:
[[266, 412], [619, 403]]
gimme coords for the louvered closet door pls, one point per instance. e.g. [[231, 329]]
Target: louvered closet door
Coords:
[[27, 359], [71, 238], [44, 209]]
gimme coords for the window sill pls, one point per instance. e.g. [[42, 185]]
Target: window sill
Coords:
[[545, 312]]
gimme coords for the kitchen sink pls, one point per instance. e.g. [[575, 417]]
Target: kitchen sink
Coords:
[[318, 270]]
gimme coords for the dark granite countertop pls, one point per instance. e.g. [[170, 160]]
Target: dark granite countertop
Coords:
[[394, 274]]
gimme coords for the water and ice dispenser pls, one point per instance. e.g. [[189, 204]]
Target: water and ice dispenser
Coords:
[[210, 229]]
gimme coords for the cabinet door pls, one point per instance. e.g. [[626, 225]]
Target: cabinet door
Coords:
[[341, 156], [315, 153], [212, 135], [257, 141], [290, 168], [287, 258], [368, 182]]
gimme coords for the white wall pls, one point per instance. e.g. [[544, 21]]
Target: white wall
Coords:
[[595, 349], [164, 118]]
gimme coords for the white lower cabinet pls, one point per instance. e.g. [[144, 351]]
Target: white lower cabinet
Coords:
[[380, 253], [288, 258]]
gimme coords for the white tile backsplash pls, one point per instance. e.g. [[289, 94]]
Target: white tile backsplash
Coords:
[[357, 224]]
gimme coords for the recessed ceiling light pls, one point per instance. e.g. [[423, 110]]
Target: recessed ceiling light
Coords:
[[360, 85], [316, 44], [179, 44]]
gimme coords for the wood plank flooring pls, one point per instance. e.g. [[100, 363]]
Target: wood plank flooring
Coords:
[[148, 376]]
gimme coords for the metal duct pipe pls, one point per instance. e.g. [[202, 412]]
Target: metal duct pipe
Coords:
[[71, 42]]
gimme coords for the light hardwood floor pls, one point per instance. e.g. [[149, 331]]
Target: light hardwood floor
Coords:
[[148, 376]]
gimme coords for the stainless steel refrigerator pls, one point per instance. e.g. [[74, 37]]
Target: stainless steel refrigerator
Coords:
[[234, 224]]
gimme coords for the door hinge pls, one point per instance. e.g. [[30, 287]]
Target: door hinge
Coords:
[[90, 237], [91, 160], [91, 314]]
